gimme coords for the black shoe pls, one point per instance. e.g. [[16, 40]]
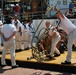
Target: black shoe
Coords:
[[20, 49], [2, 44], [56, 55], [14, 66], [30, 47], [50, 57], [65, 62], [26, 48], [16, 49]]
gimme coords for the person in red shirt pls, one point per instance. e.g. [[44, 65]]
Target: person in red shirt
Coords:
[[16, 9]]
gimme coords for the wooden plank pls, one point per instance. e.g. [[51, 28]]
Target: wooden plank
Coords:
[[23, 55]]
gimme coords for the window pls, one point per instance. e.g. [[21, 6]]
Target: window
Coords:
[[64, 2]]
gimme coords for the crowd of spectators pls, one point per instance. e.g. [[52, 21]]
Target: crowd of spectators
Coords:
[[71, 12]]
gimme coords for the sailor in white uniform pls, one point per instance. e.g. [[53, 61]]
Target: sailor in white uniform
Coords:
[[30, 30], [17, 24], [24, 34]]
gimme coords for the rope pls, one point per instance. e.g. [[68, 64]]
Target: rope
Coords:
[[50, 8]]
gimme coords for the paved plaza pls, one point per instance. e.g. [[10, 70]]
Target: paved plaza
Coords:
[[27, 71]]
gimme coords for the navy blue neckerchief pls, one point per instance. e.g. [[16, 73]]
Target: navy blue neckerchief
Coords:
[[30, 26], [58, 22], [16, 23], [24, 26]]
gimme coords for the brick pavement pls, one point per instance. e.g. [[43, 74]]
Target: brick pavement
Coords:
[[27, 71]]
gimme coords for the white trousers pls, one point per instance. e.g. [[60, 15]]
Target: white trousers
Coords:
[[53, 46], [11, 46], [71, 41], [29, 39], [18, 40], [25, 39]]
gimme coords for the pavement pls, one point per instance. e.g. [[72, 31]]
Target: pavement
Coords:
[[7, 70]]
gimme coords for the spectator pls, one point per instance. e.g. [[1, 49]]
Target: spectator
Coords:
[[68, 13], [74, 11], [17, 9], [71, 5]]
